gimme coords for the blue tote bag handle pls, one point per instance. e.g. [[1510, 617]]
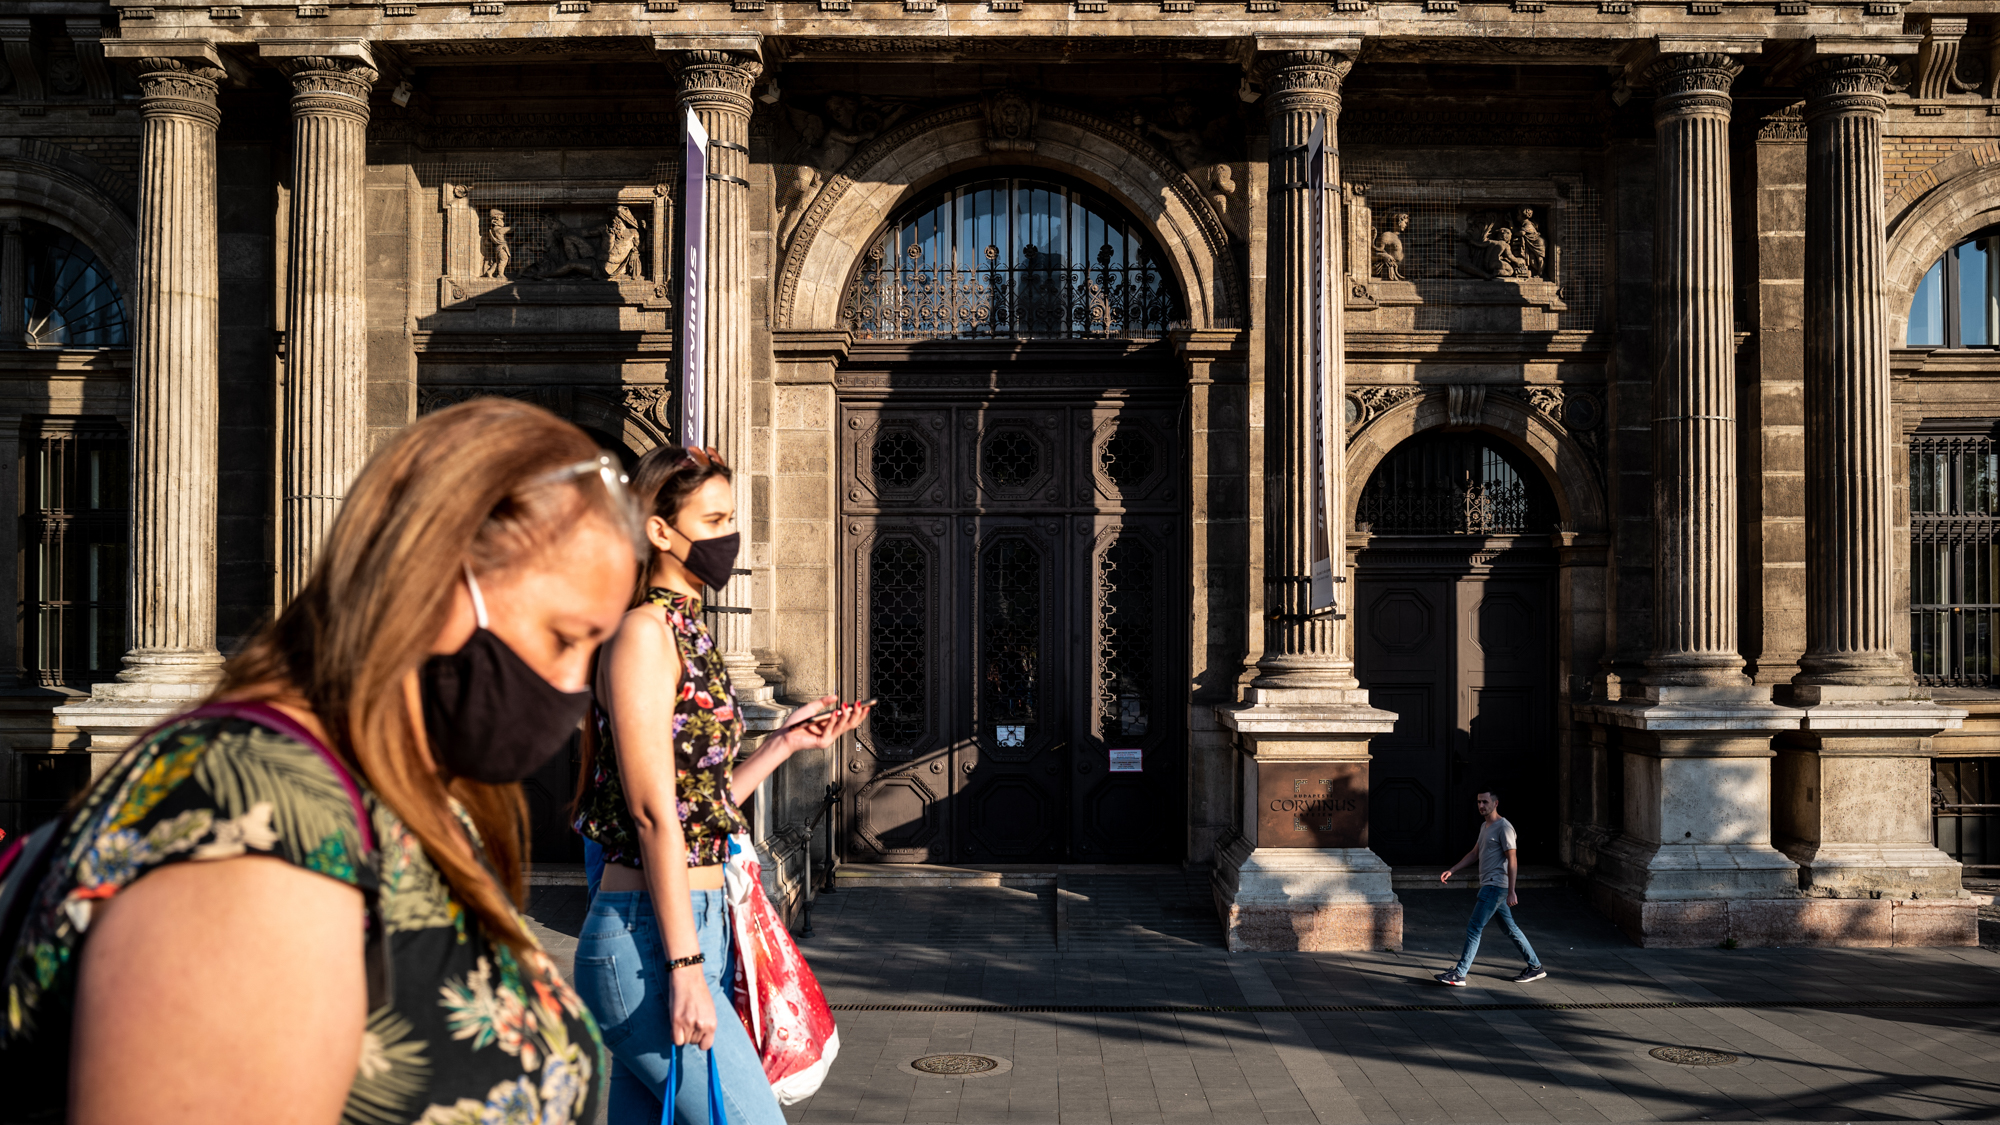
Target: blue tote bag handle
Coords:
[[716, 1116]]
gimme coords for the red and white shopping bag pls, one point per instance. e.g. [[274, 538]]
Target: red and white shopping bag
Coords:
[[775, 992]]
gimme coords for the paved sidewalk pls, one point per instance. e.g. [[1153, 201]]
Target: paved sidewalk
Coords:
[[1812, 1031]]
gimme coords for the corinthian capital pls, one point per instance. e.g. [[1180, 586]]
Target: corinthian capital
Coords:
[[1297, 81], [716, 80], [329, 85], [177, 87], [1847, 84], [1692, 83]]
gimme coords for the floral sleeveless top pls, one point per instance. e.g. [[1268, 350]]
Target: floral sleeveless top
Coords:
[[707, 733], [469, 1033]]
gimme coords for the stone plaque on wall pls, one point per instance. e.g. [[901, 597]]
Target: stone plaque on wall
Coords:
[[1312, 804]]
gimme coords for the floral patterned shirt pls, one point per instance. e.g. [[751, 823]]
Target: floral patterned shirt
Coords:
[[707, 732], [470, 1034]]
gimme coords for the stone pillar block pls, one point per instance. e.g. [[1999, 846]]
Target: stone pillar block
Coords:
[[1298, 874]]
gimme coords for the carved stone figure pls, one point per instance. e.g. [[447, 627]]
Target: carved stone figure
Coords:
[[493, 251], [1387, 260], [1486, 250], [1534, 251], [1222, 194], [566, 251], [1185, 137], [825, 146], [621, 246], [1010, 123]]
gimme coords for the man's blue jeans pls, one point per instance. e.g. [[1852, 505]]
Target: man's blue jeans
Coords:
[[621, 973], [1492, 900]]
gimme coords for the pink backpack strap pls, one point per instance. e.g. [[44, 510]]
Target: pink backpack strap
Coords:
[[265, 715]]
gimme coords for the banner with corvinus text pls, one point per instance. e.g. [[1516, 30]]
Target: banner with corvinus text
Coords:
[[694, 244], [1319, 354]]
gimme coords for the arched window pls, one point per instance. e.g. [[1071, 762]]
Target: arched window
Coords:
[[69, 298], [1455, 484], [1012, 258], [1958, 303]]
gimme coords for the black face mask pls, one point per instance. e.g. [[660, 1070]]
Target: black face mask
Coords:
[[711, 560], [490, 716]]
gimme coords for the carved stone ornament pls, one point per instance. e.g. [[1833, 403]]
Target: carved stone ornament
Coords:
[[336, 87], [1366, 404], [652, 405], [1696, 83], [1847, 84], [178, 88], [1786, 124], [716, 80], [1304, 80], [1010, 123]]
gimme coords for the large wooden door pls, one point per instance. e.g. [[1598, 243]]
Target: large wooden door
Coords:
[[1013, 568], [1460, 650]]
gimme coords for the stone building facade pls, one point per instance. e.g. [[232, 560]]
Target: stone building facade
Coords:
[[1650, 346]]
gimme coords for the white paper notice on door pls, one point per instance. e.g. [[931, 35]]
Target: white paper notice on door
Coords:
[[1127, 761]]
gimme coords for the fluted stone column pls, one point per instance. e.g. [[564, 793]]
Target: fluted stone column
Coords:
[[1850, 600], [326, 315], [1297, 873], [1694, 379], [1693, 862], [1853, 787], [716, 83], [1303, 652], [173, 658]]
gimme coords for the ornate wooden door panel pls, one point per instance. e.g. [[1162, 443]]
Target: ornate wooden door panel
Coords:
[[1015, 570], [1404, 656]]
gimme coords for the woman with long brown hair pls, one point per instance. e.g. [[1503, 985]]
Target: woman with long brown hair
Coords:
[[661, 797], [297, 903]]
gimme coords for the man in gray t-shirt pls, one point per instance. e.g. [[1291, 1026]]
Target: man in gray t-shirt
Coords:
[[1499, 871]]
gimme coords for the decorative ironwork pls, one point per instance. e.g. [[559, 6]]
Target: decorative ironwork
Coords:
[[1011, 258], [1127, 457], [900, 458], [1010, 639], [71, 301], [1693, 1056], [1450, 484], [1011, 457], [1954, 558], [899, 582], [74, 481], [1124, 637]]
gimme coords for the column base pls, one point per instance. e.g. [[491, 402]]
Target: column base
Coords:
[[1873, 871], [1305, 900], [1796, 921], [153, 687]]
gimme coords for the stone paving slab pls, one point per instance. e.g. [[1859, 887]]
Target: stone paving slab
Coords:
[[1427, 1054]]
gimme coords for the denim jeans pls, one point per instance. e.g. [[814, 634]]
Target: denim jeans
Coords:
[[1492, 900], [621, 973]]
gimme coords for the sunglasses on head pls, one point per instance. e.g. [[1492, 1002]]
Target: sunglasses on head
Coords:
[[703, 459]]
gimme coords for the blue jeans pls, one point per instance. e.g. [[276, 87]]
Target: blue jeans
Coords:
[[1492, 900], [621, 973], [593, 867]]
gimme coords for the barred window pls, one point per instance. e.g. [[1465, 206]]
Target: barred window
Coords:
[[1455, 484], [1954, 553], [1957, 305], [73, 536], [1011, 258]]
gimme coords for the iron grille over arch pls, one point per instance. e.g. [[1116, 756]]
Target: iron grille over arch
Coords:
[[1011, 258], [1954, 553], [1455, 484], [69, 298]]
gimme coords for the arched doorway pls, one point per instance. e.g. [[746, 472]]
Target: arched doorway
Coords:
[[1454, 605], [1012, 504]]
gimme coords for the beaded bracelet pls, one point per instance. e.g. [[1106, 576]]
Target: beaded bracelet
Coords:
[[684, 962]]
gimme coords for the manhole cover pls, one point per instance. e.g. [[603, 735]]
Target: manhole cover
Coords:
[[954, 1064], [1694, 1056]]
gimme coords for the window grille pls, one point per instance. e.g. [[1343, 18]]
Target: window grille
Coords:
[[1965, 810], [1454, 484], [1011, 258], [73, 537], [1954, 557], [69, 299], [899, 581]]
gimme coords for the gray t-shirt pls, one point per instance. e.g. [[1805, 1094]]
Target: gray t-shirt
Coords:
[[1495, 839]]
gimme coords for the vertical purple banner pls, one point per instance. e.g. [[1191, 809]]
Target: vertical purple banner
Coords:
[[694, 237], [1321, 547]]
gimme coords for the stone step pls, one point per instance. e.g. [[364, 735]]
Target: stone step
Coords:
[[893, 875]]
